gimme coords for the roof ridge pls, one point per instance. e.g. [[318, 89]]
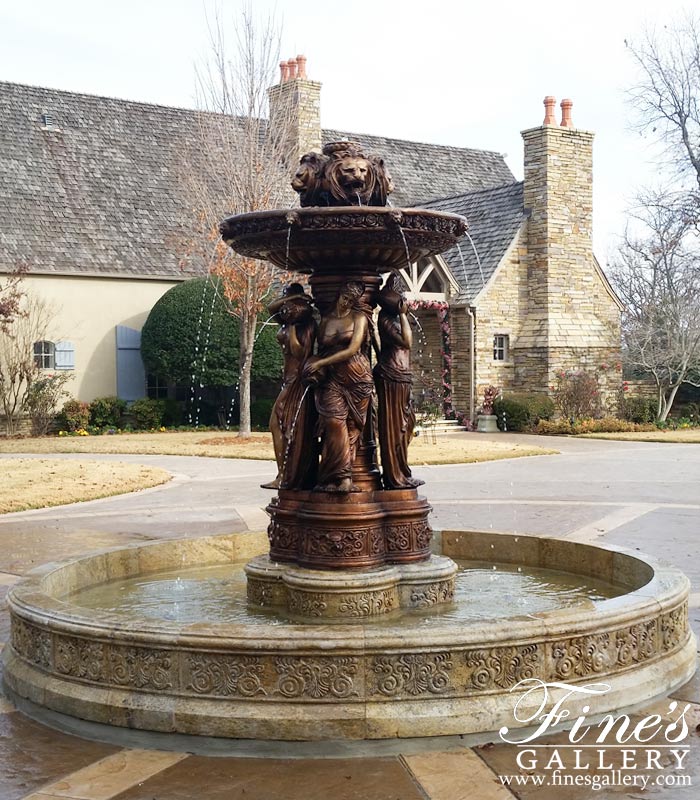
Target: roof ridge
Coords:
[[470, 193], [413, 141], [123, 100]]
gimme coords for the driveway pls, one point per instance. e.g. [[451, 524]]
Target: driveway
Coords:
[[638, 495]]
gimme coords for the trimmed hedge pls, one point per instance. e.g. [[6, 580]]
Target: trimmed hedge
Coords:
[[189, 332], [605, 425], [147, 413], [107, 412], [522, 411], [638, 409], [74, 416], [260, 411]]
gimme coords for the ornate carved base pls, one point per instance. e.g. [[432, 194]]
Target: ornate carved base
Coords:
[[402, 678], [354, 530], [321, 595]]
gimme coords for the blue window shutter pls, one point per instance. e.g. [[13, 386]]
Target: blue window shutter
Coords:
[[131, 376], [64, 353]]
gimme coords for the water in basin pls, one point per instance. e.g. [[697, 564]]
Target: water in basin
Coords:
[[217, 594]]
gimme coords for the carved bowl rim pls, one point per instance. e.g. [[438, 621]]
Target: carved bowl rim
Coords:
[[297, 215], [31, 600]]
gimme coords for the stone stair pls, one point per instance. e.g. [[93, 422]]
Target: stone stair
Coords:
[[437, 427]]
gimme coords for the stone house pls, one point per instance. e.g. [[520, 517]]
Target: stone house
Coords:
[[90, 192]]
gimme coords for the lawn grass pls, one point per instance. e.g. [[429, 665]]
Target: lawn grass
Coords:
[[27, 483], [456, 448], [680, 436], [38, 482]]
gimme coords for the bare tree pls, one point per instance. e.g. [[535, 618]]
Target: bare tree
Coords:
[[18, 369], [657, 271], [657, 275], [239, 163], [10, 298], [667, 97]]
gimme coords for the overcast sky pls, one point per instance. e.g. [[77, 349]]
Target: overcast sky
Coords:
[[448, 71]]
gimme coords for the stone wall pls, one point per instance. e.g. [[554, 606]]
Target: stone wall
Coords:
[[23, 426], [462, 351], [501, 310], [295, 107], [572, 319]]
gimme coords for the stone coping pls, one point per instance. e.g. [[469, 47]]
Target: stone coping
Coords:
[[300, 681]]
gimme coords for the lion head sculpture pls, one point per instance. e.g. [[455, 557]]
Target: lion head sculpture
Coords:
[[342, 176]]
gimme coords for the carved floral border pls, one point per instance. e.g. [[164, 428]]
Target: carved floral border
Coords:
[[454, 672]]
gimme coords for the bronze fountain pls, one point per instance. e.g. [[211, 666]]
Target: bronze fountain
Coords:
[[335, 511], [348, 543]]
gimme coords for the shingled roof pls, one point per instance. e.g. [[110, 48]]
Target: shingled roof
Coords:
[[494, 217], [427, 171], [96, 189]]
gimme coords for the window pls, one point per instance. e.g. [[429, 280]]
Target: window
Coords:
[[156, 388], [44, 355], [500, 347], [54, 355]]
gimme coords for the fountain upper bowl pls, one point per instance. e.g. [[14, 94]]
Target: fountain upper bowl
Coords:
[[314, 239]]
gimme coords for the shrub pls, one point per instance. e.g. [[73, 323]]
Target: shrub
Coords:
[[74, 416], [604, 425], [106, 412], [190, 334], [42, 398], [690, 411], [172, 412], [577, 394], [638, 409], [522, 412], [147, 413], [260, 411]]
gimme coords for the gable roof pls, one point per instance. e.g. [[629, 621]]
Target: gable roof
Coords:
[[428, 171], [98, 191], [494, 217], [95, 193]]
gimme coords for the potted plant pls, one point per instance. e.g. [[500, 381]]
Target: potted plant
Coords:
[[486, 420]]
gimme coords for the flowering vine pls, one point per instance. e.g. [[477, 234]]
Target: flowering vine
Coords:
[[443, 315]]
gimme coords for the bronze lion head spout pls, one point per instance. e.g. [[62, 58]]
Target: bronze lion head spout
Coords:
[[342, 175]]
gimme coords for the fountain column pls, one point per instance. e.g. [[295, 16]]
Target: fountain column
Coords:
[[351, 545]]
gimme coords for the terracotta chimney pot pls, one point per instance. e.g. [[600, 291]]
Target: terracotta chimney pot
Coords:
[[292, 66], [284, 72], [566, 121], [301, 67], [549, 116]]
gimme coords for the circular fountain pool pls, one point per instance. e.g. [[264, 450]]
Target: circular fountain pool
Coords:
[[120, 638]]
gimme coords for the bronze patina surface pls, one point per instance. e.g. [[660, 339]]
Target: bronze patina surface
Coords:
[[335, 509]]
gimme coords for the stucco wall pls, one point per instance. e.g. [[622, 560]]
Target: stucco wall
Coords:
[[87, 311]]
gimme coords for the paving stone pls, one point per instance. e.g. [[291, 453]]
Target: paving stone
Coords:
[[32, 756], [28, 544], [456, 776], [110, 776], [268, 779]]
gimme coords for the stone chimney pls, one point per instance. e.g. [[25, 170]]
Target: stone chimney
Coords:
[[558, 193], [295, 106]]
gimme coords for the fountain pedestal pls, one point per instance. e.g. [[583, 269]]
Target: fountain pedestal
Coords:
[[333, 596], [349, 531]]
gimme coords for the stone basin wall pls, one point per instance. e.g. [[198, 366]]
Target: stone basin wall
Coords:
[[333, 681]]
